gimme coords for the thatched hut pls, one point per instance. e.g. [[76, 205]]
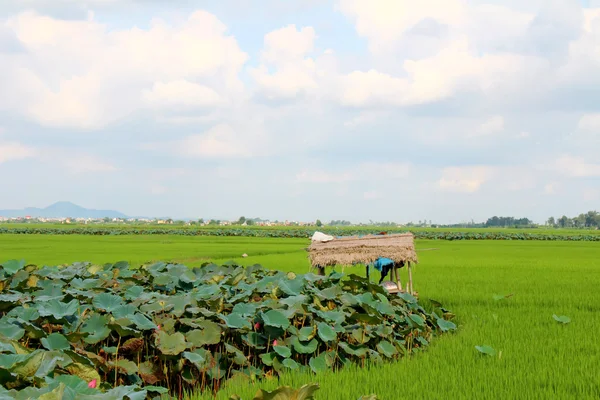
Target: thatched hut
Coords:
[[351, 250]]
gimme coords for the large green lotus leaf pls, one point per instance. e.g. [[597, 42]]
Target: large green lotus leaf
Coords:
[[283, 351], [276, 319], [8, 361], [386, 348], [241, 296], [154, 307], [348, 299], [131, 392], [318, 364], [58, 309], [12, 297], [28, 366], [188, 276], [142, 322], [291, 364], [331, 293], [236, 278], [7, 347], [171, 344], [307, 333], [18, 278], [107, 302], [305, 348], [244, 309], [210, 333], [97, 328], [236, 321], [407, 297], [359, 351], [385, 308], [12, 266], [326, 332], [165, 280], [294, 300], [124, 311], [50, 361], [55, 341], [133, 292], [268, 358], [360, 335], [200, 358], [417, 319], [178, 303], [238, 357], [446, 325], [384, 330], [206, 292], [11, 331], [291, 287], [122, 327]]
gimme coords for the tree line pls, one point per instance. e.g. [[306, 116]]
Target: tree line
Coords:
[[591, 219]]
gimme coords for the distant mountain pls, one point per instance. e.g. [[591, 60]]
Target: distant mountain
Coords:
[[62, 209]]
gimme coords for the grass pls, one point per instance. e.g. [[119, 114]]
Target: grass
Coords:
[[540, 357]]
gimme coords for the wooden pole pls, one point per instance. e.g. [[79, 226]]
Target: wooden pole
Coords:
[[410, 280], [396, 273]]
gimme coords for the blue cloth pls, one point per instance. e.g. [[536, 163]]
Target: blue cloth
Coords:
[[382, 262]]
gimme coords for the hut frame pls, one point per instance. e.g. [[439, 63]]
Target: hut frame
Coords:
[[352, 250]]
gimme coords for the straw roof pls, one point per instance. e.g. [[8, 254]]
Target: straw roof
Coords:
[[363, 250]]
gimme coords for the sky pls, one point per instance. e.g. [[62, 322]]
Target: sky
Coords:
[[383, 110]]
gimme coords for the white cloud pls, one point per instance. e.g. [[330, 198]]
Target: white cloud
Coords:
[[287, 50], [81, 74], [181, 93], [588, 130], [384, 22], [11, 151], [220, 141], [464, 179], [576, 167]]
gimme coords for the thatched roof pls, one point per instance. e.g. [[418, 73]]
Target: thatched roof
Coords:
[[363, 250]]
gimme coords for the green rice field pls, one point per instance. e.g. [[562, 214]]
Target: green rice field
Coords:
[[536, 356]]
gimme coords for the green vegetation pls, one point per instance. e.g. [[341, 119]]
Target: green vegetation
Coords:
[[534, 304], [278, 232], [169, 326]]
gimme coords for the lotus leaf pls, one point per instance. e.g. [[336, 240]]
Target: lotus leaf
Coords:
[[209, 334], [55, 341], [171, 344], [58, 309], [326, 332]]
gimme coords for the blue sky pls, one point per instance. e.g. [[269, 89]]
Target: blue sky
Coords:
[[448, 110]]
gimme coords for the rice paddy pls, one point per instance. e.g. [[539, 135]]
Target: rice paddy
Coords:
[[504, 294]]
